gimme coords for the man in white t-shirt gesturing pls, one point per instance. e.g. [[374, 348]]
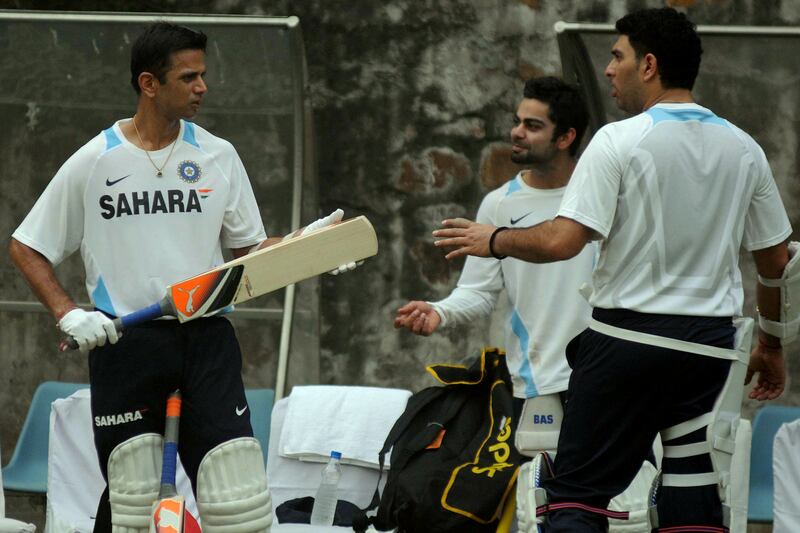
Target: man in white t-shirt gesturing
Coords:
[[150, 201], [672, 194], [547, 128]]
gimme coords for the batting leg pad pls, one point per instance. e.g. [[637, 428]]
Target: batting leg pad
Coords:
[[530, 494], [721, 425], [720, 437], [636, 500], [232, 492], [539, 425], [134, 474]]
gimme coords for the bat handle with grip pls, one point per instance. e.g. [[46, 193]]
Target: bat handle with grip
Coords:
[[170, 459], [71, 344], [137, 317]]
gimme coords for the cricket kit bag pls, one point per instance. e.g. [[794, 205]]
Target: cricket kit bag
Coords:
[[453, 460]]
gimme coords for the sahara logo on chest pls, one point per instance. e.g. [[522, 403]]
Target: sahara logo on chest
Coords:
[[150, 203]]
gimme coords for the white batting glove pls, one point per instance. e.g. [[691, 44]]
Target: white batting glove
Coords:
[[89, 329], [334, 217], [341, 269]]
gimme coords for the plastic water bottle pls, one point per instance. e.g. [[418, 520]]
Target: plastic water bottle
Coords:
[[325, 501]]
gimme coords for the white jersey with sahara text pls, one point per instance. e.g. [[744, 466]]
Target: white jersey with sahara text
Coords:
[[674, 192], [137, 232], [547, 310]]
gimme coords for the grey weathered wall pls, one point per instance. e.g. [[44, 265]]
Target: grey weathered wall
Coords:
[[419, 95], [412, 102]]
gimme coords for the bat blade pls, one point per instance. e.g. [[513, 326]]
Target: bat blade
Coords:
[[259, 273], [205, 293], [168, 515], [275, 267]]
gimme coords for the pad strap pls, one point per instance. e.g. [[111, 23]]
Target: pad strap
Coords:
[[684, 428], [785, 331], [666, 342], [686, 450], [550, 507], [693, 529], [690, 480]]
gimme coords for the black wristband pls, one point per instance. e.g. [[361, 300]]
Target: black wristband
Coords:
[[491, 242]]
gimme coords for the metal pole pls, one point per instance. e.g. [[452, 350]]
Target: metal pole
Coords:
[[297, 202]]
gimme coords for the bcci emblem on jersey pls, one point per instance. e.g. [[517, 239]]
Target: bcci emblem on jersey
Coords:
[[189, 171]]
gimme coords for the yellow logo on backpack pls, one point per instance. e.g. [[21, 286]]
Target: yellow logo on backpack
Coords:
[[490, 467]]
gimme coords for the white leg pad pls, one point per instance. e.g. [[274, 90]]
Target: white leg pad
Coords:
[[720, 443], [721, 439], [539, 425], [740, 477], [232, 492], [636, 500], [530, 495], [134, 474]]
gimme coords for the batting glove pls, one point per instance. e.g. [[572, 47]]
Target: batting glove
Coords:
[[89, 329], [341, 269], [334, 217]]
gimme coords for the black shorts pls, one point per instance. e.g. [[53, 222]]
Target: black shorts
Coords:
[[131, 380]]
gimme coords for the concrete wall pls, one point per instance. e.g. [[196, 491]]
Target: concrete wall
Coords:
[[413, 103], [420, 96]]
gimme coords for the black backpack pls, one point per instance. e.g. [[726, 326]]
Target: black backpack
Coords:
[[453, 457]]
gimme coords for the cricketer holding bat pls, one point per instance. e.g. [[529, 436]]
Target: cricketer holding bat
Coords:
[[150, 201], [672, 193]]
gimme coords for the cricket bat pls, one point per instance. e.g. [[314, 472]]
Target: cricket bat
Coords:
[[169, 510], [258, 273]]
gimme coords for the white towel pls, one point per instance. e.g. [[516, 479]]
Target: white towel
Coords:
[[786, 477], [352, 420], [7, 525]]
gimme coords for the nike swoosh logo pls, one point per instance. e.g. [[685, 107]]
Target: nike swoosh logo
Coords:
[[240, 412], [514, 221], [111, 182]]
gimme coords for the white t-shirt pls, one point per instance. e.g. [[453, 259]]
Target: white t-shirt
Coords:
[[547, 310], [138, 233], [674, 192]]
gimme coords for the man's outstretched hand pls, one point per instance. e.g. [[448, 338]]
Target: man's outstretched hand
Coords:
[[418, 317], [465, 237]]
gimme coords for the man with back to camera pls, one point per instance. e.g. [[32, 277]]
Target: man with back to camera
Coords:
[[672, 193], [547, 309], [150, 201]]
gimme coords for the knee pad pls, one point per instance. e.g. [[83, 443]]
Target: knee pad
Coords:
[[232, 492], [134, 475]]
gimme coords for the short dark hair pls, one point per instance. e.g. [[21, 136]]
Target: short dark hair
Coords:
[[567, 108], [671, 37], [153, 49]]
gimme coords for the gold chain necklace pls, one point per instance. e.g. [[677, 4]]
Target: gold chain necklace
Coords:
[[158, 170]]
